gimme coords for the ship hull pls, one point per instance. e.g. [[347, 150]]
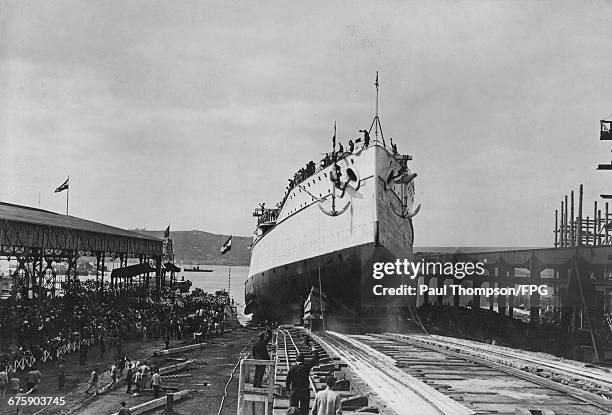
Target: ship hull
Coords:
[[345, 277], [310, 247]]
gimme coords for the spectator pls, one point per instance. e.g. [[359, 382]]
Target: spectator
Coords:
[[3, 382], [260, 352], [327, 402], [298, 382], [93, 381], [156, 381], [124, 410], [61, 375]]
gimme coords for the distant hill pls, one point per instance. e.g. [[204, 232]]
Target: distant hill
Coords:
[[198, 247]]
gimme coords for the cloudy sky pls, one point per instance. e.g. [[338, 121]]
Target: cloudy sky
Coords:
[[191, 113]]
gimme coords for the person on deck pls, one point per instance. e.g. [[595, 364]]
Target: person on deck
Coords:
[[366, 138], [298, 382]]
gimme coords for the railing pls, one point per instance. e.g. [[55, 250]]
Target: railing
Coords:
[[256, 400]]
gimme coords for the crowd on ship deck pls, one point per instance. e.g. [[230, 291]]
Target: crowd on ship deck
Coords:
[[29, 327], [329, 159]]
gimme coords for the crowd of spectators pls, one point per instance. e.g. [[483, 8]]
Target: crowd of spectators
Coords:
[[32, 326]]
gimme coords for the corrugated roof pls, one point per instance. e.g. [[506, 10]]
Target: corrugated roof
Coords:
[[26, 214]]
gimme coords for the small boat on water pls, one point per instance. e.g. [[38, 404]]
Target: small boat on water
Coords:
[[197, 269]]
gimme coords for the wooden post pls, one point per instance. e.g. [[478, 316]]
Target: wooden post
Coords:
[[580, 216], [566, 244], [588, 231], [572, 221], [595, 223], [169, 403], [556, 228], [562, 227], [605, 223], [599, 227]]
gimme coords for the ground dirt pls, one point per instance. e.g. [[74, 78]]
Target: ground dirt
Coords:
[[207, 380]]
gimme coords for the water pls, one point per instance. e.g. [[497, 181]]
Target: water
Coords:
[[217, 280]]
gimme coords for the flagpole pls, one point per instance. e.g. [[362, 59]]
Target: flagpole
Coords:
[[229, 275], [67, 193]]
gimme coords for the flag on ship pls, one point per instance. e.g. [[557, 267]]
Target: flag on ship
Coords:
[[227, 246], [334, 137], [167, 232], [64, 186]]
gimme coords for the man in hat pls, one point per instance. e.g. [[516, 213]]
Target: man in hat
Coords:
[[260, 351], [327, 402], [298, 381]]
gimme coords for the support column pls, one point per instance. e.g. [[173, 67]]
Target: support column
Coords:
[[511, 273], [534, 299], [426, 280], [457, 297], [476, 298], [440, 287], [98, 287], [71, 271], [501, 299], [491, 297], [157, 276], [103, 268]]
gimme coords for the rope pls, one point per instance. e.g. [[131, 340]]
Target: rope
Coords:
[[240, 357]]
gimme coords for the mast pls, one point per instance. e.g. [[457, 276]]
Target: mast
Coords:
[[376, 121], [376, 117]]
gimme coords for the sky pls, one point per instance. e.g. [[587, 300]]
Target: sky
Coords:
[[191, 113]]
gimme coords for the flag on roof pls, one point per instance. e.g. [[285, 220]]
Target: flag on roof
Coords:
[[227, 246]]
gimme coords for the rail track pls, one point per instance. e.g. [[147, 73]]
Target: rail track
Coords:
[[415, 377], [289, 343]]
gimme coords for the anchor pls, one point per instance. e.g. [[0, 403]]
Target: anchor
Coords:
[[334, 176], [401, 177]]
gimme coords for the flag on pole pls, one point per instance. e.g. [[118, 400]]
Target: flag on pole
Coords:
[[63, 186], [334, 138], [167, 232], [376, 83], [227, 246]]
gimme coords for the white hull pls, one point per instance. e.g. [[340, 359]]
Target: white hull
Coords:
[[305, 236]]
